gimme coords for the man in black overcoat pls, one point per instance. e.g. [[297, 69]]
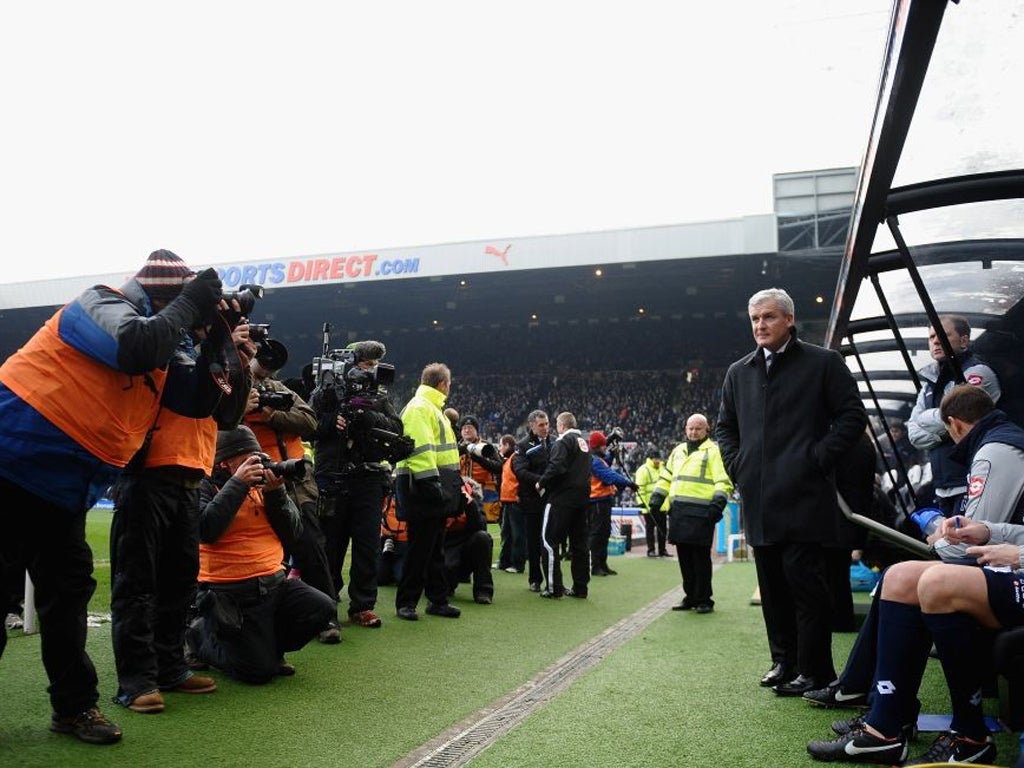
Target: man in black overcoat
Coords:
[[790, 411]]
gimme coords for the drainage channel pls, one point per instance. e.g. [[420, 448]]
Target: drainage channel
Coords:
[[461, 744]]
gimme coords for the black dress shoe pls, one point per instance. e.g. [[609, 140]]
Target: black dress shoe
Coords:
[[798, 686], [780, 673], [443, 609]]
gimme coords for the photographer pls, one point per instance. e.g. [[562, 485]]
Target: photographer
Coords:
[[76, 403], [250, 615], [468, 546], [480, 460], [154, 534], [350, 471], [281, 419]]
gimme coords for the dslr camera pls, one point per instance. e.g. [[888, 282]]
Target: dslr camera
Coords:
[[279, 401], [291, 469]]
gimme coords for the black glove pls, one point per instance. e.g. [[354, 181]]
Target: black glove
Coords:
[[204, 291], [717, 505], [633, 487], [654, 503]]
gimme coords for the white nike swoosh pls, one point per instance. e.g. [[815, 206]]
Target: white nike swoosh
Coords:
[[848, 696], [853, 749]]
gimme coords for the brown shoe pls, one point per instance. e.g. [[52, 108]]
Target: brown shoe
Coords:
[[90, 726], [365, 619], [194, 684], [147, 703]]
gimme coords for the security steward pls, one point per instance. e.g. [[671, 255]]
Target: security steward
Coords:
[[428, 490], [605, 485], [697, 486], [655, 529], [481, 461]]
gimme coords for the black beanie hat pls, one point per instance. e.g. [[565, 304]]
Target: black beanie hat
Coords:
[[469, 420], [234, 442]]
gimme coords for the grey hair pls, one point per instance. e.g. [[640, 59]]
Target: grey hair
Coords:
[[778, 295], [535, 416]]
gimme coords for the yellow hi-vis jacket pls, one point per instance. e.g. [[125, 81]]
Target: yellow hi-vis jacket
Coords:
[[697, 477], [437, 451], [647, 478]]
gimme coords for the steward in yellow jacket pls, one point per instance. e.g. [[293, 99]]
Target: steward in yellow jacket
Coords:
[[428, 490], [698, 488], [646, 479]]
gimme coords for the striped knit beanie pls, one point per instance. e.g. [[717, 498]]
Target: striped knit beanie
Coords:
[[163, 274]]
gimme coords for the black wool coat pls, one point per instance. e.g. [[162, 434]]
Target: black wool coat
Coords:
[[782, 434]]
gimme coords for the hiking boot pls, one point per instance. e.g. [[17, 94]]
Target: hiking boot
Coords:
[[953, 748], [193, 684], [859, 746], [443, 609], [150, 703], [832, 696], [90, 726], [365, 619]]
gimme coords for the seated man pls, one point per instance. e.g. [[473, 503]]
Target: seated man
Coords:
[[952, 606], [468, 547], [993, 448], [249, 614]]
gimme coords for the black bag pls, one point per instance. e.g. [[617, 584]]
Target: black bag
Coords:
[[690, 523]]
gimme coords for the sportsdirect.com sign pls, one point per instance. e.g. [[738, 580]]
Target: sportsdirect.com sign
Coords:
[[366, 266]]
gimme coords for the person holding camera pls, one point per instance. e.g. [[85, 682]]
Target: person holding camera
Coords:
[[605, 483], [468, 547], [281, 420], [154, 533], [351, 472], [695, 482], [480, 460], [428, 490], [76, 403], [250, 615]]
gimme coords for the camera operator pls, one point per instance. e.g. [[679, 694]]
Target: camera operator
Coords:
[[250, 615], [480, 460], [154, 534], [351, 474], [281, 420], [76, 403]]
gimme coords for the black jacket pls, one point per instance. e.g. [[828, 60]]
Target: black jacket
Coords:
[[528, 464], [567, 477], [782, 435]]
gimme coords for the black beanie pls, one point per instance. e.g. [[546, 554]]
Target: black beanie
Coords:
[[234, 442]]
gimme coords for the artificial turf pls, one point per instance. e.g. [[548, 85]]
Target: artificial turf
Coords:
[[682, 692]]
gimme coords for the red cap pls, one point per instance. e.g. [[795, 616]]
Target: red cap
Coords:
[[597, 440]]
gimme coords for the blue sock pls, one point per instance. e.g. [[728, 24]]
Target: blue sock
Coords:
[[903, 644], [860, 665], [960, 643]]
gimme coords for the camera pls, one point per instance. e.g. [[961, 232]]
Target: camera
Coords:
[[279, 401], [246, 296], [291, 469], [482, 450]]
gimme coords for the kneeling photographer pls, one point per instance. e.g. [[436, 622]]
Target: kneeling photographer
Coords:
[[281, 420], [358, 432], [250, 615]]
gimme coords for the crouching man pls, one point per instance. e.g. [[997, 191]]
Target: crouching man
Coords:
[[249, 614]]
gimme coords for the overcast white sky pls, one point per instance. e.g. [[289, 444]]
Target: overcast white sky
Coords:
[[229, 131]]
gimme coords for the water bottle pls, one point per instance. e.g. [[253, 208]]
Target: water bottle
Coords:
[[928, 519]]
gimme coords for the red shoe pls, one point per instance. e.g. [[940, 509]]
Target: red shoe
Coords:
[[365, 619]]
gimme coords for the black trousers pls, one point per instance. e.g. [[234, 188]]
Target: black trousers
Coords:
[[655, 528], [470, 559], [837, 565], [50, 542], [599, 530], [309, 552], [424, 564], [559, 521], [245, 627], [533, 517], [513, 537], [695, 568], [354, 516], [796, 603], [154, 562]]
